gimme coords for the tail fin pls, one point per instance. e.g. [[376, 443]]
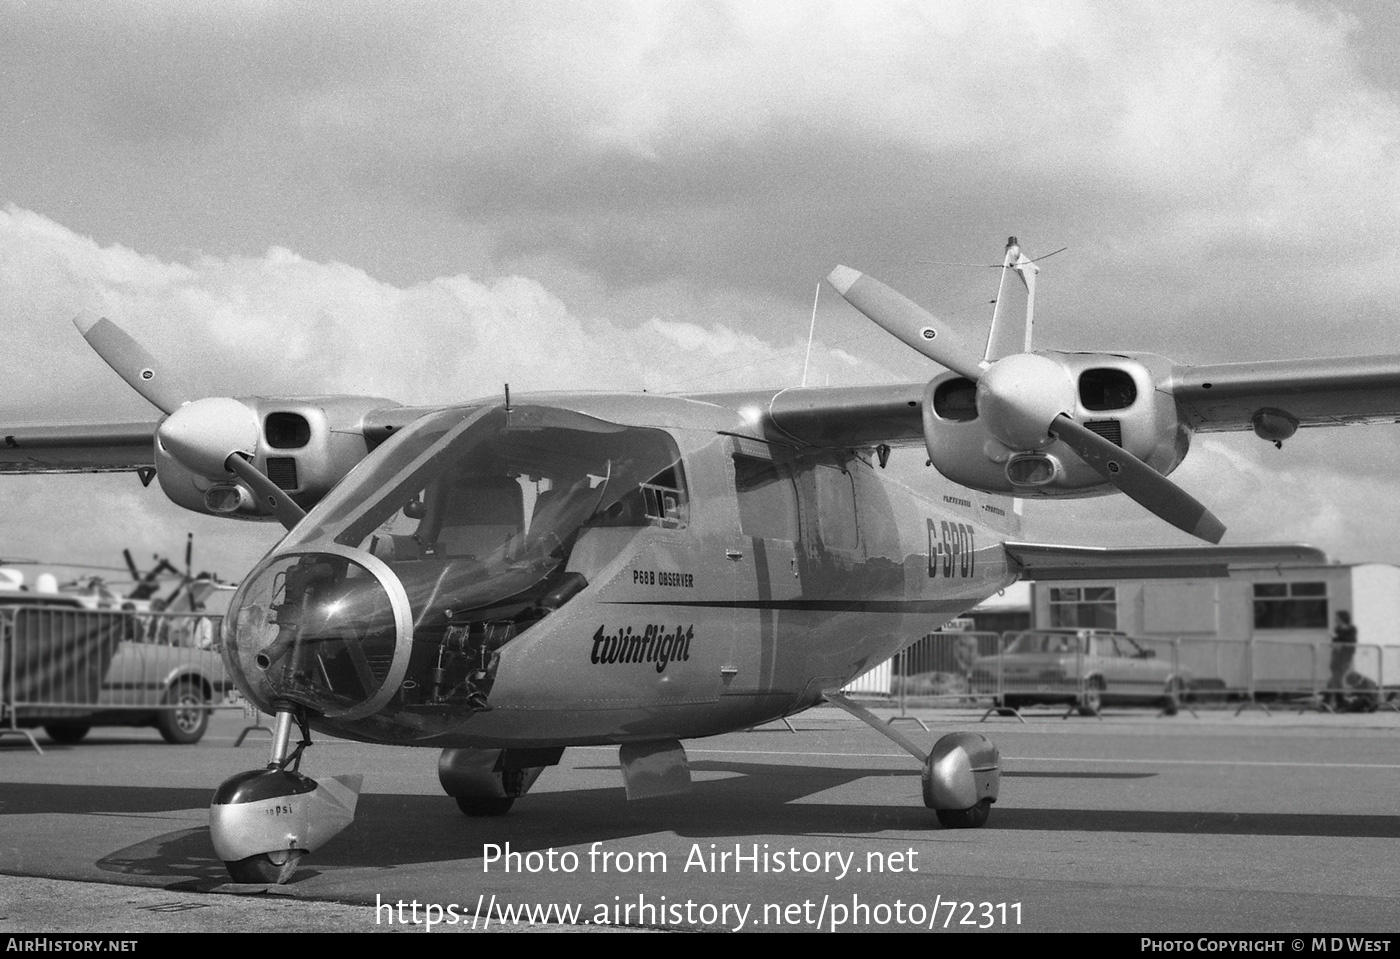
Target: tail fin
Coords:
[[1011, 333], [1015, 309]]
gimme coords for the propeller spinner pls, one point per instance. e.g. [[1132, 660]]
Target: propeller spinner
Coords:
[[1022, 400]]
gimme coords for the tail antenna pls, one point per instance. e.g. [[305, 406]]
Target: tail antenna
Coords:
[[811, 332]]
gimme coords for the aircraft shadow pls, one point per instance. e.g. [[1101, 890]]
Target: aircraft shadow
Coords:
[[755, 802], [18, 799], [185, 855], [1327, 825]]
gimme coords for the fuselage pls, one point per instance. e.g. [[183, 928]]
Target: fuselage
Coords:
[[600, 569]]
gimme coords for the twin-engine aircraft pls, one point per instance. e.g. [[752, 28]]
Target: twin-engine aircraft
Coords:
[[508, 577]]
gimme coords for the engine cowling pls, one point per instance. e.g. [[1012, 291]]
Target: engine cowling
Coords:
[[1115, 395], [304, 445]]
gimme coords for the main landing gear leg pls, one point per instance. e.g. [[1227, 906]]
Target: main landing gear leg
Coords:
[[264, 820], [962, 774]]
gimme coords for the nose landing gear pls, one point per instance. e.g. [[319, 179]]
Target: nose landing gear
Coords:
[[264, 820]]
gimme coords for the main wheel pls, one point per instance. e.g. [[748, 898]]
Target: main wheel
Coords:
[[971, 818], [1092, 702], [67, 735], [489, 806], [269, 867], [186, 723]]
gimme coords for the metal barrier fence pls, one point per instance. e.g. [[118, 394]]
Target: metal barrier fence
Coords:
[[1326, 675], [940, 668], [1216, 670], [68, 669], [1086, 670]]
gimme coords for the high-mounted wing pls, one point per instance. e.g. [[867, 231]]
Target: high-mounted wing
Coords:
[[1042, 561], [1049, 423], [104, 448], [1277, 397], [253, 457], [835, 417]]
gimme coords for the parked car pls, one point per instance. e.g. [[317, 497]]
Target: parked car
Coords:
[[1087, 668], [75, 667]]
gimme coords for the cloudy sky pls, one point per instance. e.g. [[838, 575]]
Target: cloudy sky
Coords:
[[424, 201]]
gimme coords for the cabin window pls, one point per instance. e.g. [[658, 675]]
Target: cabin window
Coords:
[[1084, 607], [767, 499], [657, 499], [1290, 606]]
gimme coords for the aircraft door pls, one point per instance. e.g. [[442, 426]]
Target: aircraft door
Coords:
[[764, 562]]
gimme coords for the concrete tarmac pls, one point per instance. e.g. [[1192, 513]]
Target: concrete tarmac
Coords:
[[1215, 823]]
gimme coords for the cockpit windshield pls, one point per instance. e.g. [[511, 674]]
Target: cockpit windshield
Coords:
[[491, 505], [477, 512]]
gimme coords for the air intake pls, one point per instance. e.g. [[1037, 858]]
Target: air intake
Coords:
[[1111, 430], [282, 470]]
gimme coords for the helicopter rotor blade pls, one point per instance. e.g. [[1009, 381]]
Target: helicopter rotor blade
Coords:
[[131, 565]]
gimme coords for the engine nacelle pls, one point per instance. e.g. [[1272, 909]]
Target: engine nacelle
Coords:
[[1115, 395], [304, 445]]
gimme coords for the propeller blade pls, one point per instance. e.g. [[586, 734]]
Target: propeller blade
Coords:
[[1139, 481], [132, 363], [908, 322], [287, 512]]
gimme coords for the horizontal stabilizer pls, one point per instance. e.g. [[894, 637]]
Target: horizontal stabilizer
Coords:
[[1046, 562]]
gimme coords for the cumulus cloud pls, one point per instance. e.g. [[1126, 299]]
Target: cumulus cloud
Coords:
[[1319, 489], [281, 324], [428, 200], [284, 324], [651, 140]]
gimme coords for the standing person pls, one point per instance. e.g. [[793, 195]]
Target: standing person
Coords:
[[1343, 648]]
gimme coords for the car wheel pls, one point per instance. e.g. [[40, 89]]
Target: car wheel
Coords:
[[67, 735], [1176, 690], [1092, 701], [188, 721]]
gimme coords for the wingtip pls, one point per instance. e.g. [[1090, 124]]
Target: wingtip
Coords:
[[843, 278]]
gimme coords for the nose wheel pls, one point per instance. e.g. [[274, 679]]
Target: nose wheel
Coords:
[[265, 820], [269, 868]]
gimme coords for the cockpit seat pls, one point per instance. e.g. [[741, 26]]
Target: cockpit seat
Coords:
[[395, 549]]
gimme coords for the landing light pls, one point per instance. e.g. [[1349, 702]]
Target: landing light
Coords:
[[1032, 469], [226, 499]]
